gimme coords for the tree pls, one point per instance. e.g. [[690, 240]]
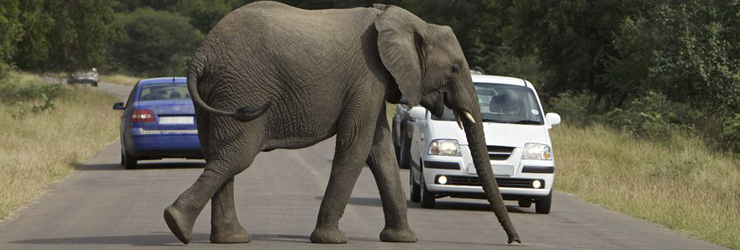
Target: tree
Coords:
[[684, 49], [155, 43], [81, 33], [10, 30], [203, 14], [34, 46]]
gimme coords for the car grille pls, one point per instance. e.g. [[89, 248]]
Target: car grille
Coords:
[[502, 182], [499, 153]]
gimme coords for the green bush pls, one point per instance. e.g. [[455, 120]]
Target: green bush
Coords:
[[575, 108], [30, 96], [652, 116], [14, 89], [730, 138]]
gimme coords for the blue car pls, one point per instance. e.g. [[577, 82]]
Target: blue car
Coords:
[[158, 121]]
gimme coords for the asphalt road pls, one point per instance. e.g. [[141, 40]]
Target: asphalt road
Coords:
[[103, 206]]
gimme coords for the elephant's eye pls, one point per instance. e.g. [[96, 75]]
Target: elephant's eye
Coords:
[[455, 68]]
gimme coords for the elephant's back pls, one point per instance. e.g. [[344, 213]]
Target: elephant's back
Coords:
[[287, 56], [277, 24]]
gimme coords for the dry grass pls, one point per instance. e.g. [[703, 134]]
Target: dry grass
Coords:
[[39, 148], [680, 184], [119, 79]]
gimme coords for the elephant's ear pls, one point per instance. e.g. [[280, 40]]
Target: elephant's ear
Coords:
[[400, 41]]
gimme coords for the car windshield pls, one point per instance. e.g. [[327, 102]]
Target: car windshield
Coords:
[[165, 91], [504, 103]]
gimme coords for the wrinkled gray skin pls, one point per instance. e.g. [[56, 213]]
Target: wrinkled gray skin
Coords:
[[272, 76]]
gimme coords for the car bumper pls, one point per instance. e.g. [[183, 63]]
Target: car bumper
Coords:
[[514, 181], [163, 144], [82, 80]]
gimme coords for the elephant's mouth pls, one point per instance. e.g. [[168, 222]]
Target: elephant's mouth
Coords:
[[463, 113], [458, 112]]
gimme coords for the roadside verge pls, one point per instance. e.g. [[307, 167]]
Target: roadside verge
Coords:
[[48, 130]]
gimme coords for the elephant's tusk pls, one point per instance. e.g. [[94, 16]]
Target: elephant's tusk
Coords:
[[457, 118], [469, 116]]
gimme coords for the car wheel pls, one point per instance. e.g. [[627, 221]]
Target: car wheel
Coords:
[[415, 189], [94, 84], [525, 203], [129, 162], [403, 158], [543, 206], [427, 198]]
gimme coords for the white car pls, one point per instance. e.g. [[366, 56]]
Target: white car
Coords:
[[519, 147], [89, 76]]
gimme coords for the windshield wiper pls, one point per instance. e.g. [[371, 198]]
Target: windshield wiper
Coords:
[[527, 122], [514, 122]]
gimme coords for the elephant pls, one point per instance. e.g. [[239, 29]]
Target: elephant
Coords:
[[271, 76]]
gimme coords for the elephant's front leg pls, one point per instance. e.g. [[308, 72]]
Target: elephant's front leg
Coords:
[[225, 227], [354, 139], [382, 163]]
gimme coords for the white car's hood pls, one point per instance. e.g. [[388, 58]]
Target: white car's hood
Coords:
[[500, 134]]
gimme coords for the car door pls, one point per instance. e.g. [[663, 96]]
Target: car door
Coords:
[[417, 144], [128, 111]]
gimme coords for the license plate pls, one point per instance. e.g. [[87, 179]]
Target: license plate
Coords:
[[498, 170], [168, 120]]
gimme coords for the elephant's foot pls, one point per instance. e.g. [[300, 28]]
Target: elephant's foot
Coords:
[[328, 236], [398, 235], [235, 234], [181, 224]]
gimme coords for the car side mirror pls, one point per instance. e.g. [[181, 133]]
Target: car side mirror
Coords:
[[417, 113], [552, 119], [118, 106]]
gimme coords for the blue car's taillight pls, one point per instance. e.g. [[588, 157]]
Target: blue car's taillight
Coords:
[[142, 115]]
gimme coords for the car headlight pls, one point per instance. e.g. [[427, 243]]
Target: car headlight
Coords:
[[446, 147], [537, 151]]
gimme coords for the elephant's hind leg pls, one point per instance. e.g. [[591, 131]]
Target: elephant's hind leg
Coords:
[[225, 227], [382, 163], [230, 152]]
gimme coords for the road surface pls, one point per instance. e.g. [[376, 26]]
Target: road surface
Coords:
[[103, 206]]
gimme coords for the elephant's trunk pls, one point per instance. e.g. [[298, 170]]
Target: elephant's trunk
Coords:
[[479, 152]]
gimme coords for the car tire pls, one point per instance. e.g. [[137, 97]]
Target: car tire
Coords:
[[543, 206], [427, 198], [403, 156], [129, 162], [415, 191], [94, 84], [525, 203]]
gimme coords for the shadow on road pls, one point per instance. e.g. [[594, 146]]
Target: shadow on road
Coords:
[[299, 238], [471, 205], [154, 239], [166, 239], [305, 239], [142, 166]]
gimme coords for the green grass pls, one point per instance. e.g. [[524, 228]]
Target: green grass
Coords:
[[43, 141], [680, 184]]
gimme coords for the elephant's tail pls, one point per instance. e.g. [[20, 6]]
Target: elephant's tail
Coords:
[[242, 114]]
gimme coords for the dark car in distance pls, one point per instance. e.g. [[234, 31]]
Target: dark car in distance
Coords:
[[158, 121]]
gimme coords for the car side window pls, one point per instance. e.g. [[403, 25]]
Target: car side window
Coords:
[[132, 96]]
